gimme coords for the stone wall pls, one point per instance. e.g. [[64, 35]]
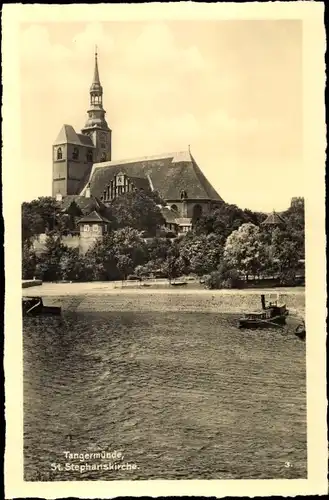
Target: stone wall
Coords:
[[69, 241]]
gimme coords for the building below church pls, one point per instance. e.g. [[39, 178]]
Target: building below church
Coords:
[[83, 168]]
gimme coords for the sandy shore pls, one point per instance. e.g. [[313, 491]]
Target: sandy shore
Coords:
[[104, 296]]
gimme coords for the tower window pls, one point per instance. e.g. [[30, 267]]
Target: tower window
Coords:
[[59, 154], [103, 157], [75, 154], [103, 145], [89, 155]]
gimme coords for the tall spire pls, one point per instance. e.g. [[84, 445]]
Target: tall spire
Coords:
[[96, 73], [96, 85], [96, 112]]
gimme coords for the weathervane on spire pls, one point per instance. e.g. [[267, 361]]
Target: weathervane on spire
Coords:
[[95, 50]]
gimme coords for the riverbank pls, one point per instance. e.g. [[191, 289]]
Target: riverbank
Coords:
[[103, 296], [29, 283]]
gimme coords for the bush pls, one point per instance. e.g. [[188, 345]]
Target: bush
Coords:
[[288, 278], [29, 261], [223, 279]]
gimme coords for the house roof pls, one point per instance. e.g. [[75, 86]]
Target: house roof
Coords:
[[169, 174], [274, 219], [183, 221], [93, 217], [68, 135], [169, 215], [85, 204]]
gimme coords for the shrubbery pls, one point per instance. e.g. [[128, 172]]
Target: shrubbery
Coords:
[[223, 246], [223, 278]]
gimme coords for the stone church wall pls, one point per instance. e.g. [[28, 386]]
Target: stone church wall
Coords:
[[77, 169], [187, 209]]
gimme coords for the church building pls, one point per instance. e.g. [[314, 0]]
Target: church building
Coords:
[[83, 167]]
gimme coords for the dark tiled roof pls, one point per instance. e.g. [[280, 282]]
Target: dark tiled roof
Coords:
[[93, 217], [274, 218], [84, 180], [169, 175], [169, 215], [85, 140], [183, 221], [85, 204], [140, 183]]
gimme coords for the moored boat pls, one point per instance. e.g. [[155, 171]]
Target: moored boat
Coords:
[[33, 306], [270, 315], [300, 331], [178, 283]]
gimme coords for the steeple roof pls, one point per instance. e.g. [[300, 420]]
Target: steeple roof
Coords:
[[67, 135], [96, 85]]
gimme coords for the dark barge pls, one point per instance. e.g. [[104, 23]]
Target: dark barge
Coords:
[[271, 314], [33, 306]]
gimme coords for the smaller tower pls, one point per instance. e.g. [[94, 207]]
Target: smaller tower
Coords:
[[92, 228], [274, 220], [72, 161]]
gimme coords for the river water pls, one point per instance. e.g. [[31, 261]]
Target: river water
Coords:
[[181, 395]]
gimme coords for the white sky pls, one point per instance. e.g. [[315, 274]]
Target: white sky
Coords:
[[231, 89]]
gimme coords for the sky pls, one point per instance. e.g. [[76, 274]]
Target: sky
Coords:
[[232, 90]]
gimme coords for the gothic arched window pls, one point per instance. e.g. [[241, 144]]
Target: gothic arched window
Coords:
[[103, 157], [59, 154], [183, 194], [75, 155], [89, 156]]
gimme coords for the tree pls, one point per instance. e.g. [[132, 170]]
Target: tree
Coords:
[[116, 254], [158, 248], [284, 251], [43, 215], [125, 265], [128, 242], [100, 260], [225, 219], [71, 265], [137, 210], [48, 264], [29, 261], [169, 267], [224, 277], [295, 227], [202, 253], [244, 250]]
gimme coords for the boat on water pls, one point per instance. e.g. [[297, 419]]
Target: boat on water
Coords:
[[300, 331], [271, 314], [33, 306], [178, 283]]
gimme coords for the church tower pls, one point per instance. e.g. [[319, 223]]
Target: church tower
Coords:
[[96, 126]]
